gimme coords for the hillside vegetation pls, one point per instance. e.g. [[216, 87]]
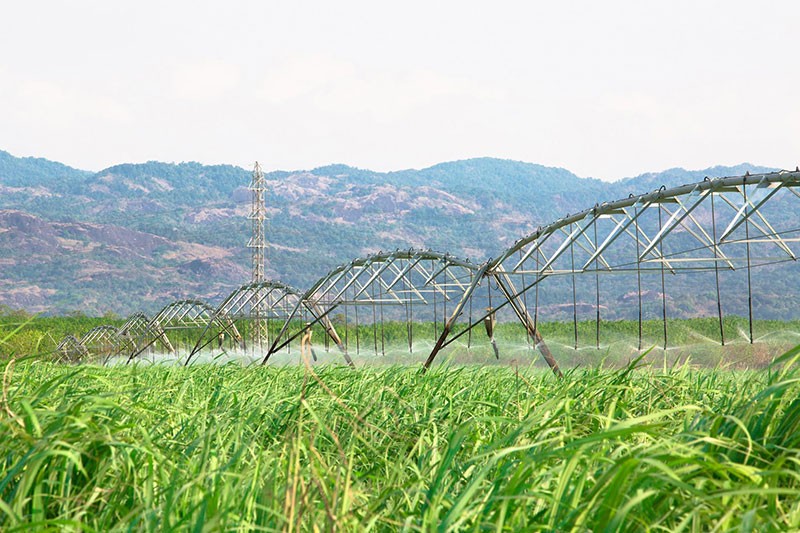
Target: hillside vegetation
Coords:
[[135, 236]]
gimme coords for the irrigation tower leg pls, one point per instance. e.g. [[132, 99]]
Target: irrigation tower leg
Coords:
[[331, 331], [509, 291], [457, 311], [319, 317]]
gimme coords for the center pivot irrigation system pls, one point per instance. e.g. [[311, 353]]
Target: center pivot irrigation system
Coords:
[[721, 228]]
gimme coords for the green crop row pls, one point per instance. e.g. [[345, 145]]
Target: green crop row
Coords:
[[221, 447], [397, 341]]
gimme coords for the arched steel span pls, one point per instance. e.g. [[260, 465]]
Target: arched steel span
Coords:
[[138, 324], [400, 278], [70, 350], [104, 341], [181, 315], [741, 199], [142, 330], [272, 299], [712, 226]]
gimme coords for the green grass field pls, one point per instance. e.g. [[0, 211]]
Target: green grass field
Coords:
[[222, 447], [695, 338]]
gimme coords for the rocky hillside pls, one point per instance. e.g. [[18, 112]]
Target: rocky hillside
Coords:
[[79, 265], [136, 236]]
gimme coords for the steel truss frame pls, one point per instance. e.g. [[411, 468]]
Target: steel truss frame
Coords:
[[398, 278], [272, 300], [143, 330], [102, 341], [70, 350], [185, 314], [105, 341], [715, 225], [543, 252]]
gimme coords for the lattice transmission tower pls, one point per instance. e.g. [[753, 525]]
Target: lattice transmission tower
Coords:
[[258, 245]]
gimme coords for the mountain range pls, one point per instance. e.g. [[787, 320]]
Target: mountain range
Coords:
[[136, 236]]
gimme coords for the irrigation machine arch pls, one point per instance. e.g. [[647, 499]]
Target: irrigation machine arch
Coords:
[[104, 341], [718, 228], [266, 301], [70, 350], [403, 281], [187, 314]]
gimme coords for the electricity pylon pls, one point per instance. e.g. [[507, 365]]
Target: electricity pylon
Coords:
[[258, 245]]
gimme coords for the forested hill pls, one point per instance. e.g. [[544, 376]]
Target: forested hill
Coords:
[[35, 172], [136, 235]]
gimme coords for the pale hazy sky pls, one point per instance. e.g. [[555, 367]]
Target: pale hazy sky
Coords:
[[605, 89]]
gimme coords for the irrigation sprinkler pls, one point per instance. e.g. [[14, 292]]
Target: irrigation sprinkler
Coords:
[[661, 246]]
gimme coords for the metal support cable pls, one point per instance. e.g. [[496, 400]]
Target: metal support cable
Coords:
[[346, 324], [435, 315], [444, 302], [408, 313], [358, 337], [663, 282], [383, 339], [410, 324], [716, 272], [525, 303], [374, 322], [749, 281], [597, 290], [574, 294], [536, 293], [469, 331], [638, 278]]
